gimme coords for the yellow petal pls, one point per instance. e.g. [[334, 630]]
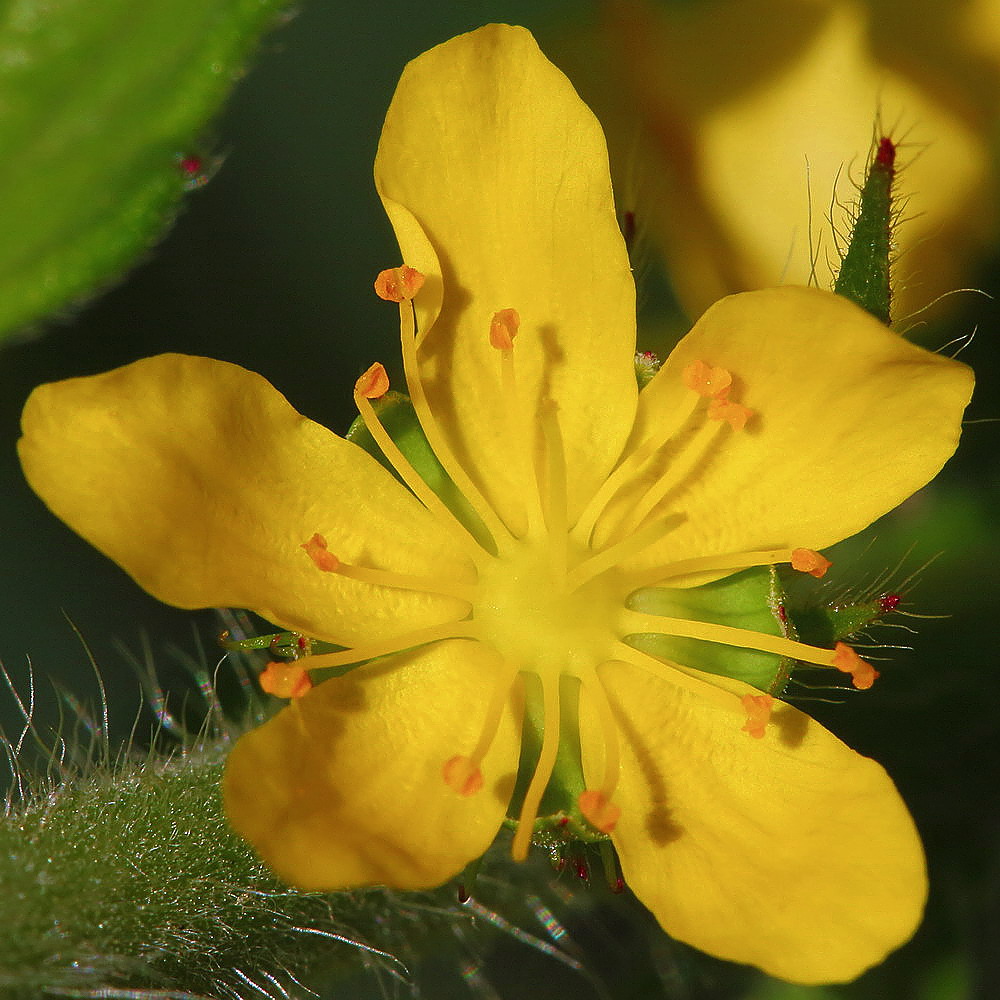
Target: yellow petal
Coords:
[[345, 788], [200, 480], [495, 177], [850, 420], [791, 852]]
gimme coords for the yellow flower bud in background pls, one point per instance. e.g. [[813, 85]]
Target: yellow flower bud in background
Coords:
[[736, 127]]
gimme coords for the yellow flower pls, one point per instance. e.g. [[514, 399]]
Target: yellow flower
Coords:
[[733, 122], [786, 420]]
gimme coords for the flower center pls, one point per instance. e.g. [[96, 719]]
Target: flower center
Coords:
[[529, 613]]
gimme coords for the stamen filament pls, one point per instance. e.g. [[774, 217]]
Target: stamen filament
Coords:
[[609, 732], [613, 555], [463, 773], [413, 480], [543, 769], [432, 430], [728, 635], [524, 460], [403, 581], [328, 562], [494, 712], [694, 451], [395, 644], [730, 561], [556, 512], [628, 469], [679, 676]]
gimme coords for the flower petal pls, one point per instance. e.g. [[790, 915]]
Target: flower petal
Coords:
[[495, 177], [791, 852], [850, 420], [345, 788], [200, 480]]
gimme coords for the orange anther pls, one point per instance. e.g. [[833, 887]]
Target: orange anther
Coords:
[[285, 680], [316, 550], [398, 284], [706, 380], [503, 329], [462, 775], [373, 384], [758, 708], [808, 561], [723, 408], [599, 811], [863, 674]]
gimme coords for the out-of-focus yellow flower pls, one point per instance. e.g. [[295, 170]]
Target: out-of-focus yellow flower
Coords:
[[786, 420], [732, 122]]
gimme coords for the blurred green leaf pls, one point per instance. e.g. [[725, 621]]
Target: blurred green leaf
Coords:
[[102, 106]]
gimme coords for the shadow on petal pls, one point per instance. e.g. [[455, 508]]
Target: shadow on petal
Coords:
[[660, 824]]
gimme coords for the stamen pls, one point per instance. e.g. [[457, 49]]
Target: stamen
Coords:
[[396, 644], [598, 811], [808, 561], [705, 380], [555, 509], [462, 773], [317, 551], [371, 381], [658, 575], [693, 453], [329, 563], [734, 414], [596, 804], [678, 675], [374, 384], [635, 622], [715, 384], [629, 468], [543, 769], [863, 674], [503, 329], [398, 284], [758, 708], [285, 680], [432, 431], [613, 555]]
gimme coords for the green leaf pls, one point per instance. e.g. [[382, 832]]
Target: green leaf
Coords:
[[126, 881], [100, 102]]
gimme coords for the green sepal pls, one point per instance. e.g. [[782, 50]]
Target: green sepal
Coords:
[[864, 276], [752, 599], [825, 624], [647, 364], [281, 645], [397, 416]]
